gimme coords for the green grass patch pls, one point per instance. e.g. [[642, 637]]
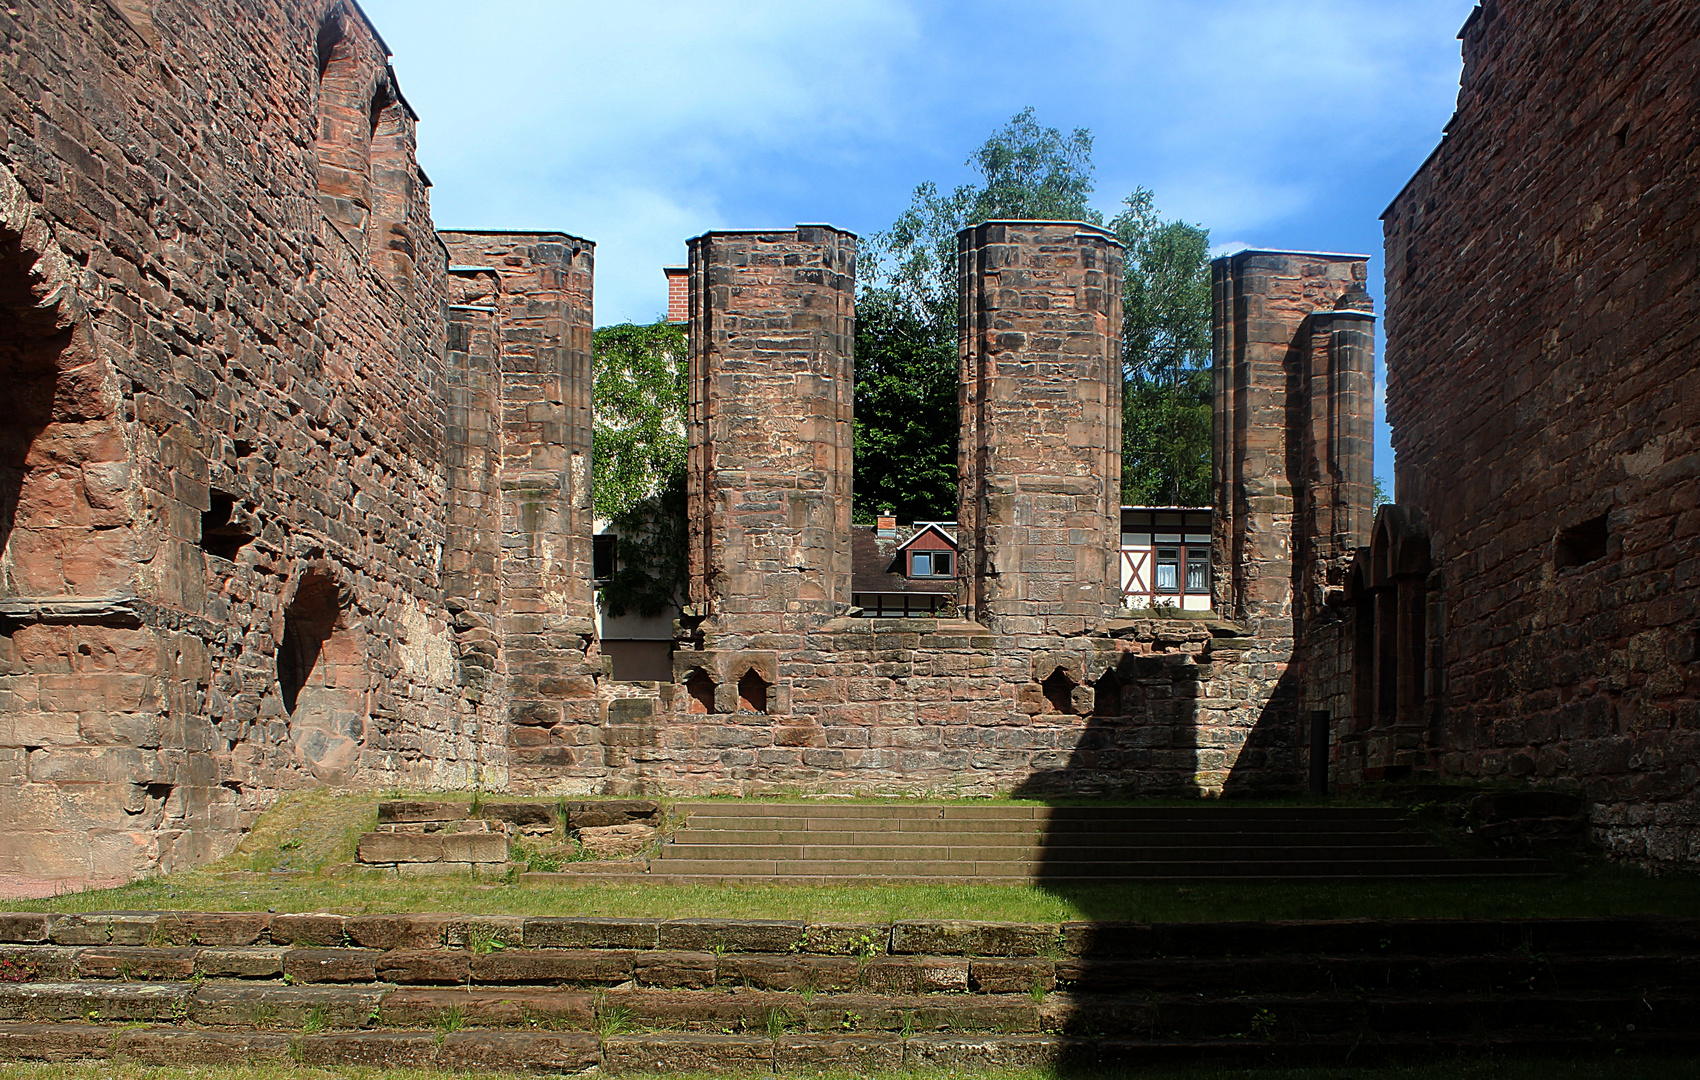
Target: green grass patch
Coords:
[[299, 857], [1594, 892]]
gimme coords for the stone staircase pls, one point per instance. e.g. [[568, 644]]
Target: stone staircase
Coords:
[[569, 994], [812, 843]]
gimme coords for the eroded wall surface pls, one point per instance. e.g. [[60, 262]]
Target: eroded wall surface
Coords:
[[222, 493], [1545, 406]]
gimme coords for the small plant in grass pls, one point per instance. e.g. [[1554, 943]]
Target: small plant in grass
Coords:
[[908, 1028], [481, 940], [1263, 1024], [1037, 991], [315, 1021], [779, 1023], [449, 1021], [613, 1020], [851, 1021], [265, 1015]]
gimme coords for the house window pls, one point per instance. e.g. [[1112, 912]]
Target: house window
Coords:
[[603, 561], [1165, 557], [929, 564]]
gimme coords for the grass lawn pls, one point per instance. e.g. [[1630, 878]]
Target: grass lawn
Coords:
[[298, 858], [1604, 1068]]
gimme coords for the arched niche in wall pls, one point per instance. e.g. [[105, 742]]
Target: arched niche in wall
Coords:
[[342, 141], [395, 183], [1058, 688], [752, 692], [1107, 695], [323, 677], [701, 690], [65, 527]]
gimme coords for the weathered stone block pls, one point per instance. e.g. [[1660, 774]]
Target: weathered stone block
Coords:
[[531, 1051], [136, 963], [549, 966], [424, 966], [213, 928], [396, 931], [385, 1049], [916, 974], [331, 965], [953, 937], [864, 1054], [300, 930], [266, 1006], [673, 969], [24, 928], [564, 933], [55, 1042], [687, 1053], [488, 1008], [737, 935], [249, 963], [173, 1047]]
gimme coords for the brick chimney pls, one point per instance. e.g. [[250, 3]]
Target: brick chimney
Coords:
[[886, 525], [678, 294]]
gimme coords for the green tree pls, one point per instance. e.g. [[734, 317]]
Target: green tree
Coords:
[[905, 412], [1166, 394], [907, 327], [638, 475], [906, 348]]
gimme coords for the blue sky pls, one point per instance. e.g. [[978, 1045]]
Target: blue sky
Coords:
[[1272, 123]]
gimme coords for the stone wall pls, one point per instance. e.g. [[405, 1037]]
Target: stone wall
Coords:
[[1293, 449], [1039, 459], [519, 557], [771, 379], [1542, 302], [220, 494]]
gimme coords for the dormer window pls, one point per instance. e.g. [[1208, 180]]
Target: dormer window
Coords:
[[930, 564]]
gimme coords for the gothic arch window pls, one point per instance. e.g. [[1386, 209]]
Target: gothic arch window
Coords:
[[752, 692], [1059, 691]]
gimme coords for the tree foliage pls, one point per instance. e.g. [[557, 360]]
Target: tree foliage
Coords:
[[907, 327], [639, 461], [1166, 393], [905, 412]]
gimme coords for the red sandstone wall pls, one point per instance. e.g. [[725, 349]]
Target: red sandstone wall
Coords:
[[222, 408], [1542, 327], [1040, 450], [520, 359]]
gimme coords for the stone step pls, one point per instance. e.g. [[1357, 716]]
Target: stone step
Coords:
[[1165, 870], [969, 812], [1035, 856], [1055, 842], [783, 1052]]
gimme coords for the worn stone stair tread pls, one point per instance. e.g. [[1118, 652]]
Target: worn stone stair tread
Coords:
[[1010, 853]]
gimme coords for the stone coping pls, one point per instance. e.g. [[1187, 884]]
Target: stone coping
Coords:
[[911, 937]]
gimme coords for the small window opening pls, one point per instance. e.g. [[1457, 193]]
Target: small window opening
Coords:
[[1622, 136], [220, 535], [1168, 570], [1581, 544], [925, 564], [701, 689], [1059, 691], [604, 556], [1107, 695], [752, 693]]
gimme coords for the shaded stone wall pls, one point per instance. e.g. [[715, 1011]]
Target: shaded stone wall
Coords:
[[1294, 361], [523, 330], [1542, 302], [1039, 459], [220, 498]]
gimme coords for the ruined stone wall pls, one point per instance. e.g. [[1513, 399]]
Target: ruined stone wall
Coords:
[[1293, 371], [771, 382], [772, 692], [519, 562], [220, 498], [1039, 458], [1542, 303]]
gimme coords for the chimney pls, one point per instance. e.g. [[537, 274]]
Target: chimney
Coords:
[[887, 526], [678, 294]]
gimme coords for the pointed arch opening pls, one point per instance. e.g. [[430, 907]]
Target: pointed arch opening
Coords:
[[1059, 691], [752, 692], [701, 690], [1107, 695]]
